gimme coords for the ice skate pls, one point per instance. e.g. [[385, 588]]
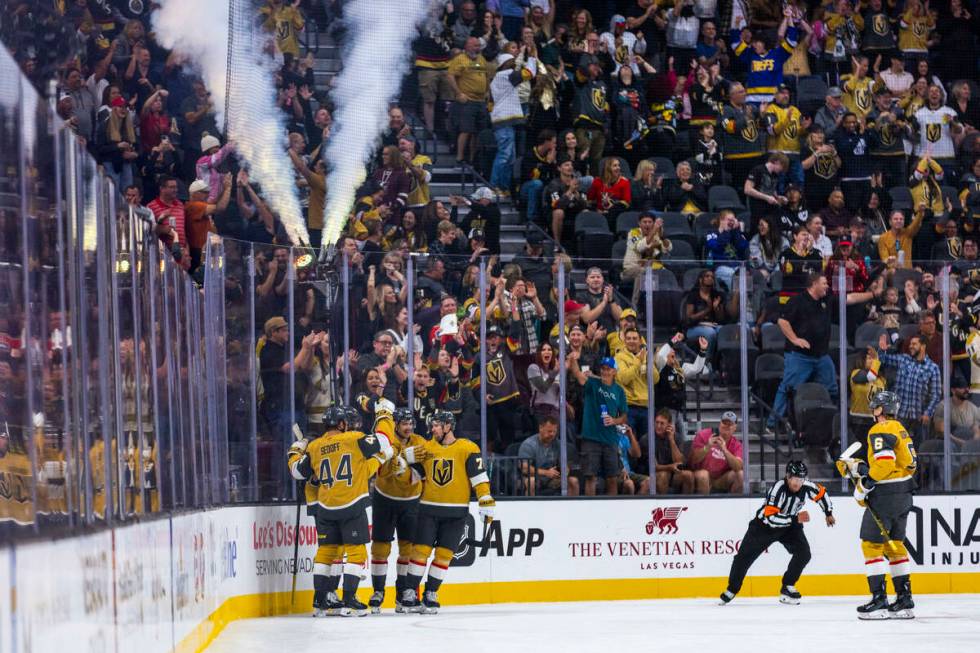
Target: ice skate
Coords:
[[875, 609], [375, 601], [725, 598], [789, 595], [333, 605], [409, 602], [353, 607], [902, 607], [430, 605]]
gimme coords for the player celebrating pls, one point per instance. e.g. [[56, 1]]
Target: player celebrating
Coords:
[[883, 485], [781, 520], [333, 418], [395, 505], [342, 462], [455, 466]]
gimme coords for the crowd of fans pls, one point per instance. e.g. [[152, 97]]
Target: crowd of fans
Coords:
[[811, 138]]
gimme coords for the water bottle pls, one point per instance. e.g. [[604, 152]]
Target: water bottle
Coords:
[[603, 414]]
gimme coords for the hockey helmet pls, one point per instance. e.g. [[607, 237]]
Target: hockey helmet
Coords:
[[404, 415], [796, 468], [353, 417], [444, 417], [333, 416], [887, 401]]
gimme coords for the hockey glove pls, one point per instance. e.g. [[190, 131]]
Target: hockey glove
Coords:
[[862, 488], [486, 508], [299, 446], [400, 464], [417, 454]]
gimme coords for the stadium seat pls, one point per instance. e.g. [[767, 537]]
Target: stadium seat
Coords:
[[665, 167], [591, 221], [867, 335], [724, 197], [901, 198], [729, 345], [691, 278], [681, 255], [814, 413], [690, 239], [768, 375], [949, 193], [676, 223], [811, 93], [906, 331], [704, 224], [594, 246], [930, 472], [773, 339], [664, 279], [625, 221]]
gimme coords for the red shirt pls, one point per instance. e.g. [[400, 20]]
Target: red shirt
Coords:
[[176, 217], [605, 197], [152, 127]]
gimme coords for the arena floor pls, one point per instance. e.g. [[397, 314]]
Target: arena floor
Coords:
[[942, 623]]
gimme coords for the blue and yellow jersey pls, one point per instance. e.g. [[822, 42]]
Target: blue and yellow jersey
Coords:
[[765, 71]]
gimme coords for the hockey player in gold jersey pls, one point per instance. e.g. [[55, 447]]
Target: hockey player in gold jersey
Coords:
[[342, 462], [883, 485], [395, 504], [456, 465]]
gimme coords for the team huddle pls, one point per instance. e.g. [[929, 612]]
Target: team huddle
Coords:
[[421, 492], [883, 484]]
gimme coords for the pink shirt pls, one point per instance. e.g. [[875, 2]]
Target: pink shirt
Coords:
[[714, 462]]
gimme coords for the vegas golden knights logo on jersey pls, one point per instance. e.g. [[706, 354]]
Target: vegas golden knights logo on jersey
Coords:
[[880, 25], [933, 132], [442, 471], [792, 130], [919, 29], [824, 167], [862, 98], [599, 98], [622, 54], [495, 372], [749, 132], [886, 136]]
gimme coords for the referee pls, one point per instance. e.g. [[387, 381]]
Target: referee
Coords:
[[780, 520]]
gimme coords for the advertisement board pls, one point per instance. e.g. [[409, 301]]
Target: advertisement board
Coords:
[[6, 600], [65, 595], [143, 587]]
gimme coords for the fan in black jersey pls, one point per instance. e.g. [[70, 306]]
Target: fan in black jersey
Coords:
[[781, 520]]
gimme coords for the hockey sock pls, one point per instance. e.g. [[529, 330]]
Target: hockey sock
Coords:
[[379, 564], [438, 569], [321, 571], [875, 565], [404, 556], [898, 560]]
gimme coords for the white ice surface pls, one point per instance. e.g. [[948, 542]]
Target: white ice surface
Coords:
[[949, 623]]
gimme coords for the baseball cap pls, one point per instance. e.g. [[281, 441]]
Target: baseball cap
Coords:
[[627, 312], [729, 416], [571, 306], [118, 102], [958, 381], [503, 58], [834, 91], [274, 323], [477, 234], [844, 242], [198, 186], [609, 362], [534, 237], [482, 193], [618, 20], [782, 87], [494, 331]]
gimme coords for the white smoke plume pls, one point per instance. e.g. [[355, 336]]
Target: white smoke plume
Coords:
[[254, 123], [375, 60]]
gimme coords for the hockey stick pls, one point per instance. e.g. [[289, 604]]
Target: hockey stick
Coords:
[[483, 542], [845, 457]]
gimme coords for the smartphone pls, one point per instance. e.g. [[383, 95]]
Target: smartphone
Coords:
[[682, 467]]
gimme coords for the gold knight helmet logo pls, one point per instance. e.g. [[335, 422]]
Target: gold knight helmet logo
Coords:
[[880, 25], [749, 132], [933, 132], [495, 372], [442, 471]]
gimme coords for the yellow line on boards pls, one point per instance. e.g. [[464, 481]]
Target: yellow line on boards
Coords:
[[251, 606]]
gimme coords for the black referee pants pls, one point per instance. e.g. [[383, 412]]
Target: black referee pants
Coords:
[[760, 537]]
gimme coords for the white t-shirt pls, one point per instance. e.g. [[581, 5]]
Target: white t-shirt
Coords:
[[935, 138], [897, 83]]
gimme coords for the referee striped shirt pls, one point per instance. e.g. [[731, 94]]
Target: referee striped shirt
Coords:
[[782, 505]]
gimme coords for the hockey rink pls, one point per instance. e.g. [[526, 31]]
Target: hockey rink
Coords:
[[942, 623]]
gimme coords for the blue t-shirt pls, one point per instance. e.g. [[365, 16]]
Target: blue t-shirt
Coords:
[[595, 394]]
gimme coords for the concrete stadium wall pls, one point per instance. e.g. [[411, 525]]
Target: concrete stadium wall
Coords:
[[174, 583]]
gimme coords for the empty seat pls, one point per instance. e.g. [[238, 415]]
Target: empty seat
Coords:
[[768, 375], [665, 167], [627, 220], [811, 93], [591, 221], [773, 339], [814, 414], [681, 254], [901, 198], [867, 335], [724, 197]]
